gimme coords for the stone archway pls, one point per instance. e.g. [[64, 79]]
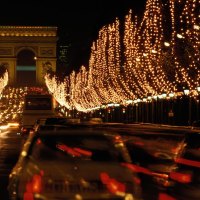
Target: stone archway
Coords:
[[18, 43], [26, 68]]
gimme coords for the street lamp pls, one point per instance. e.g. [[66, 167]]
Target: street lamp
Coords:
[[150, 108], [163, 117], [144, 109], [198, 90], [187, 92], [155, 108], [171, 109], [138, 109]]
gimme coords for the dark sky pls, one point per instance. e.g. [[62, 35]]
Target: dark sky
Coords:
[[78, 21]]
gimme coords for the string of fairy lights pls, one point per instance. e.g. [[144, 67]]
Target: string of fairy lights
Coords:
[[155, 57], [3, 81]]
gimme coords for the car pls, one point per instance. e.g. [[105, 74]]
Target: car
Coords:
[[56, 120], [74, 164], [37, 106], [54, 123], [185, 178], [55, 127], [4, 126], [51, 121], [152, 158], [13, 124]]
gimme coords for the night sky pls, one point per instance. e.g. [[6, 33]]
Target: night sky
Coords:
[[78, 22]]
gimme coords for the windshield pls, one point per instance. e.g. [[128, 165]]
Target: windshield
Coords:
[[96, 148], [38, 104]]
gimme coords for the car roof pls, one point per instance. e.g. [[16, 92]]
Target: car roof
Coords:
[[64, 131], [55, 117], [52, 117]]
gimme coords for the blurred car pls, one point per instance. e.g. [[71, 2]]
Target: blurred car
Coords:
[[60, 120], [3, 126], [95, 120], [55, 127], [78, 164], [13, 124], [153, 158], [55, 120], [51, 121], [185, 178]]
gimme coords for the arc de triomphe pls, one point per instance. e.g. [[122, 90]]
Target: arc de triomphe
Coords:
[[40, 40]]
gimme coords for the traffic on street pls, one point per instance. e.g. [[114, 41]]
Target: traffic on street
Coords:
[[59, 158], [100, 100]]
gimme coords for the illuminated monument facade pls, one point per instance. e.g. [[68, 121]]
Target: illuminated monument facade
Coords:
[[28, 49]]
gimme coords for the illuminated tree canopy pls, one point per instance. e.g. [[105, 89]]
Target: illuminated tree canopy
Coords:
[[133, 61], [3, 81]]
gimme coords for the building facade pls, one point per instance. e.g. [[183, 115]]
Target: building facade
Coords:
[[30, 50]]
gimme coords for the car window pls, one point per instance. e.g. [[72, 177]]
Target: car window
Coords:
[[95, 148]]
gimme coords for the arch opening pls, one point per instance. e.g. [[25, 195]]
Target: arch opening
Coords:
[[26, 68]]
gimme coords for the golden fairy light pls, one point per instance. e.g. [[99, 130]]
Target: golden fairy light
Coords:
[[160, 55], [150, 41], [3, 81], [59, 90], [132, 77], [185, 43]]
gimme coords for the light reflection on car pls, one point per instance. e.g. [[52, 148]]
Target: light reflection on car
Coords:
[[185, 179], [153, 158], [73, 164]]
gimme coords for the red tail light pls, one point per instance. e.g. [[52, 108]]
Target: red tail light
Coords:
[[24, 130], [118, 139], [37, 183], [139, 143], [136, 168], [33, 186], [28, 196], [74, 151], [163, 196], [83, 151], [38, 142], [188, 162], [112, 185], [180, 177]]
